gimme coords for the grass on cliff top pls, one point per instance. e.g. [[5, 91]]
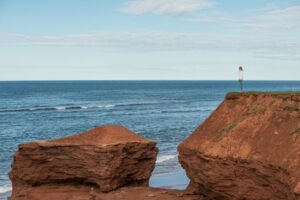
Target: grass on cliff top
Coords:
[[281, 94]]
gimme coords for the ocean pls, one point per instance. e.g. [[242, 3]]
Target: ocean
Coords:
[[165, 111]]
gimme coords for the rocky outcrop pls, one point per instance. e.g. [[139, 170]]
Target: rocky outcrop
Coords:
[[104, 158], [249, 148]]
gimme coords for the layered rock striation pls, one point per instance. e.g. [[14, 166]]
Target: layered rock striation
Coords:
[[104, 158], [249, 148]]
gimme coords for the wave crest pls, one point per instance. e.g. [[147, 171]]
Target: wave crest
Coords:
[[84, 107], [58, 108], [5, 188], [165, 158]]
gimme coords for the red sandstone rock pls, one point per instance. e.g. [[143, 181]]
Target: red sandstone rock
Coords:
[[105, 158], [249, 148]]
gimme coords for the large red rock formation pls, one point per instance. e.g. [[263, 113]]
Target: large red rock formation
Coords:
[[249, 148], [104, 158]]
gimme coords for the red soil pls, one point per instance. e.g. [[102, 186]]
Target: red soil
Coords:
[[106, 135], [249, 148]]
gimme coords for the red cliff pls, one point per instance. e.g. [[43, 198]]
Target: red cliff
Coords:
[[249, 148]]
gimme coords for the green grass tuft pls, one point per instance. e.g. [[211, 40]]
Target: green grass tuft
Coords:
[[225, 130], [291, 106], [257, 110], [295, 132], [234, 95]]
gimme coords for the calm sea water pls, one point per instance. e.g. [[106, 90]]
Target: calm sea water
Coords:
[[165, 111]]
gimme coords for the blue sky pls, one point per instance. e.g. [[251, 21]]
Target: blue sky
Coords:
[[149, 39]]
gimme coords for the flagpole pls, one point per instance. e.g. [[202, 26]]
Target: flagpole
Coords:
[[241, 78]]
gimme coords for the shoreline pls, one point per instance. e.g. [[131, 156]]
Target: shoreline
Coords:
[[174, 180]]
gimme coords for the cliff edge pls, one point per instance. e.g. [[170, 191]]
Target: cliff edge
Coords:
[[249, 148]]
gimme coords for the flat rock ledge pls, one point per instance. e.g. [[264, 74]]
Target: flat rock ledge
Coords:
[[84, 192], [104, 158]]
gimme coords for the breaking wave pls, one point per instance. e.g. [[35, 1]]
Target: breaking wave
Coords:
[[58, 108], [5, 188], [83, 107], [165, 158], [186, 111]]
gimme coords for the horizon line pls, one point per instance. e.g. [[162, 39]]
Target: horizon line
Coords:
[[65, 80]]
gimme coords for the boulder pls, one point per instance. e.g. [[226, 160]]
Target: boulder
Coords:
[[105, 158], [249, 148]]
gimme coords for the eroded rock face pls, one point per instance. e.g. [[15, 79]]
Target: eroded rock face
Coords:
[[105, 158], [249, 148]]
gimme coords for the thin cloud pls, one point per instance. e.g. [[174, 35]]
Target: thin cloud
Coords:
[[289, 13], [122, 40], [279, 18], [164, 7], [264, 19], [165, 41], [282, 56]]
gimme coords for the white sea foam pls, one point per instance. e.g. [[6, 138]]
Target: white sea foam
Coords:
[[165, 158], [79, 107], [109, 106], [5, 188], [60, 108]]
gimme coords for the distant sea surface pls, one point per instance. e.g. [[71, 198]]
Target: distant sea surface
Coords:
[[165, 111]]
